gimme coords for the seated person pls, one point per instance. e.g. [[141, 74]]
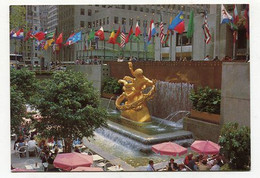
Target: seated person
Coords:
[[150, 166], [76, 142], [192, 164], [203, 165], [31, 143], [76, 149], [182, 167], [172, 166], [216, 165], [19, 140]]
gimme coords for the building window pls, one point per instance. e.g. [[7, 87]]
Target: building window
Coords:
[[139, 22], [89, 25], [104, 21], [135, 8], [100, 22], [241, 42], [82, 11], [35, 54], [146, 10], [129, 7], [115, 20], [123, 21], [89, 12], [93, 24], [96, 23], [107, 20], [153, 11], [82, 24], [141, 9], [185, 41], [131, 21], [35, 28], [123, 6]]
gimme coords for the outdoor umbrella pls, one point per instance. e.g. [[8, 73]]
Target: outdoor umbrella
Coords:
[[89, 169], [68, 161], [169, 148], [205, 147]]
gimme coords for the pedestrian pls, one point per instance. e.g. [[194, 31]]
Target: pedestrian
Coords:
[[172, 165], [207, 58], [150, 166]]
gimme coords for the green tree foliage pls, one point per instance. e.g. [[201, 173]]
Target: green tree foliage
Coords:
[[17, 17], [18, 109], [70, 108], [206, 100], [235, 142], [111, 85], [25, 81]]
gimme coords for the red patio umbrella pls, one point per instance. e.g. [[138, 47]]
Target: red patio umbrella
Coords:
[[69, 161], [205, 147], [89, 169], [169, 148]]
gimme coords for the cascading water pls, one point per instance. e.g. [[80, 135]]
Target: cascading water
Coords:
[[170, 98]]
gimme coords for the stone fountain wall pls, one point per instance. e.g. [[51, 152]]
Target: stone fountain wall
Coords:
[[170, 98]]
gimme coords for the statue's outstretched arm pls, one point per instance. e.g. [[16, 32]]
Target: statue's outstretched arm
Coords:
[[127, 78], [130, 64]]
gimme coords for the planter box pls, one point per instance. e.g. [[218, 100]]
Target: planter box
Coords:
[[109, 95], [205, 116]]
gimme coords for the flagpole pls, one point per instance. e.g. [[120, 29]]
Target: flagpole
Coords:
[[113, 51], [138, 46], [181, 48], [234, 45], [104, 52], [170, 56]]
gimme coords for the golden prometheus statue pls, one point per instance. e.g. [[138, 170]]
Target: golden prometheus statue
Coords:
[[132, 102]]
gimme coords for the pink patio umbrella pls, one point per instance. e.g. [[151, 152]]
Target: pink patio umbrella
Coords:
[[205, 147], [89, 169], [69, 161], [169, 148]]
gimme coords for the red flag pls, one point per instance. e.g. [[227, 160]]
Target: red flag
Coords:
[[100, 33], [28, 35], [129, 34], [59, 39], [117, 36], [137, 30], [180, 27], [39, 36]]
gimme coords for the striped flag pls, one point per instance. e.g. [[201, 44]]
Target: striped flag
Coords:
[[161, 33], [123, 38], [205, 28]]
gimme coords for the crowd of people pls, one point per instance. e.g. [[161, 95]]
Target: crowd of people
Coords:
[[193, 163]]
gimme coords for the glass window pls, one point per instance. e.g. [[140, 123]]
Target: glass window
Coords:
[[96, 23], [129, 7], [123, 20], [141, 9], [116, 20], [131, 21], [107, 20], [89, 25], [147, 10], [93, 24], [89, 12], [104, 21], [100, 22], [135, 8], [123, 6], [82, 24], [82, 11]]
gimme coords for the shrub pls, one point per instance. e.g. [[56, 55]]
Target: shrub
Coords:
[[111, 85], [206, 100], [235, 143]]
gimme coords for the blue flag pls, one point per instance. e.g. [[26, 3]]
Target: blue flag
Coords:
[[76, 38], [178, 19]]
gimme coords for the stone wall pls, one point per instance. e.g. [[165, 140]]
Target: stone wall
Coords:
[[235, 93], [199, 73]]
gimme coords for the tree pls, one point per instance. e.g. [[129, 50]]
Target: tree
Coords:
[[18, 109], [25, 81], [17, 17], [235, 142], [69, 106]]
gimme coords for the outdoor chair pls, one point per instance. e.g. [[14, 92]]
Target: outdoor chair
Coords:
[[32, 150], [21, 151]]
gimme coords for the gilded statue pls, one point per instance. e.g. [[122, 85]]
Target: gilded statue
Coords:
[[132, 102]]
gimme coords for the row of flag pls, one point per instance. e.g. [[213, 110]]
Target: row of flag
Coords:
[[45, 40]]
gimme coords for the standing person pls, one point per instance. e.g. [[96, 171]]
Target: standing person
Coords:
[[207, 58], [150, 166], [172, 165]]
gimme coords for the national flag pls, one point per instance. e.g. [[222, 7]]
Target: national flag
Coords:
[[123, 37], [190, 25], [235, 15], [91, 35], [39, 35], [137, 29], [145, 38], [76, 37], [151, 31], [18, 34], [166, 38], [180, 28], [112, 39], [100, 33], [161, 32], [28, 35], [225, 16], [69, 40], [117, 36], [205, 28], [11, 33], [246, 14], [59, 39], [176, 21], [130, 33], [42, 44], [49, 41], [49, 35]]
